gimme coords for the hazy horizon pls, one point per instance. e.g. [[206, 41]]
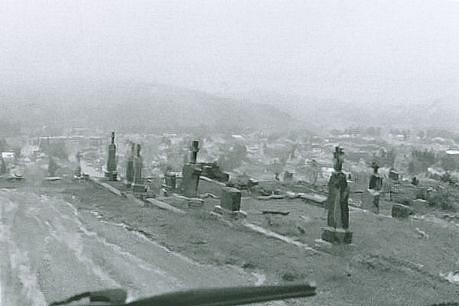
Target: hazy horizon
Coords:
[[355, 51]]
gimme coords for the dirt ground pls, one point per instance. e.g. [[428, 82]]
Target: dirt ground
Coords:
[[388, 263]]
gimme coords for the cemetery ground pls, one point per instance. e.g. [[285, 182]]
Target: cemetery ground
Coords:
[[390, 262]]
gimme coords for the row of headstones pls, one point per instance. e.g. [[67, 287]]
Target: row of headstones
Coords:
[[134, 166], [191, 172]]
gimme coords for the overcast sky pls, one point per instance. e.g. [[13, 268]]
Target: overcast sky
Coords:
[[363, 51]]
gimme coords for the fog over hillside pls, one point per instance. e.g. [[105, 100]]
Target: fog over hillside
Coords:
[[130, 106], [320, 113]]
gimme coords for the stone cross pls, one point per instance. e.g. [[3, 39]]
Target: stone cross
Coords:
[[337, 230], [194, 151], [111, 173]]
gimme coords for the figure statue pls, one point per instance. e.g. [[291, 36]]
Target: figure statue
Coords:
[[337, 203]]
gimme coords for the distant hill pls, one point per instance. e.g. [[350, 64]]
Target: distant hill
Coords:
[[134, 107], [321, 114]]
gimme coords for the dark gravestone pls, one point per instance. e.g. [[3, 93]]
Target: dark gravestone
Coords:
[[230, 204], [191, 173], [337, 230], [170, 181], [401, 211], [231, 199], [288, 177], [77, 172], [190, 180], [394, 175], [110, 172]]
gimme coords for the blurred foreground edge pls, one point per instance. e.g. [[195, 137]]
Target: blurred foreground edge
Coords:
[[201, 297]]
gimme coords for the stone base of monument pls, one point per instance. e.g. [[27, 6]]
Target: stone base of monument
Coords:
[[337, 236], [111, 176], [138, 189], [370, 200], [238, 214]]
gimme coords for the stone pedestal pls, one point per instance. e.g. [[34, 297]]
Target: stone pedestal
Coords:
[[335, 235], [190, 180], [337, 230], [371, 200]]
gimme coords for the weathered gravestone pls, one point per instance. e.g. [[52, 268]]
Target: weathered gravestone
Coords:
[[337, 230], [111, 173], [77, 172], [288, 177], [138, 184], [130, 166], [401, 211], [373, 193], [230, 203], [191, 173]]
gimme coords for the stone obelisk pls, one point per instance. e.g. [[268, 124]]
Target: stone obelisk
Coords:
[[111, 173]]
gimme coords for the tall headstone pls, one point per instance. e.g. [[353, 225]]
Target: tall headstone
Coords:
[[130, 166], [52, 167], [337, 230], [3, 168], [373, 193], [77, 171], [191, 173], [138, 185], [110, 172]]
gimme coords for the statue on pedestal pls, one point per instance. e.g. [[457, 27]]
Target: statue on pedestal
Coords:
[[337, 230]]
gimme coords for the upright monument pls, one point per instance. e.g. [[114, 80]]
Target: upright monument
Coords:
[[191, 173], [77, 173], [138, 185], [337, 230], [110, 172], [130, 166]]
